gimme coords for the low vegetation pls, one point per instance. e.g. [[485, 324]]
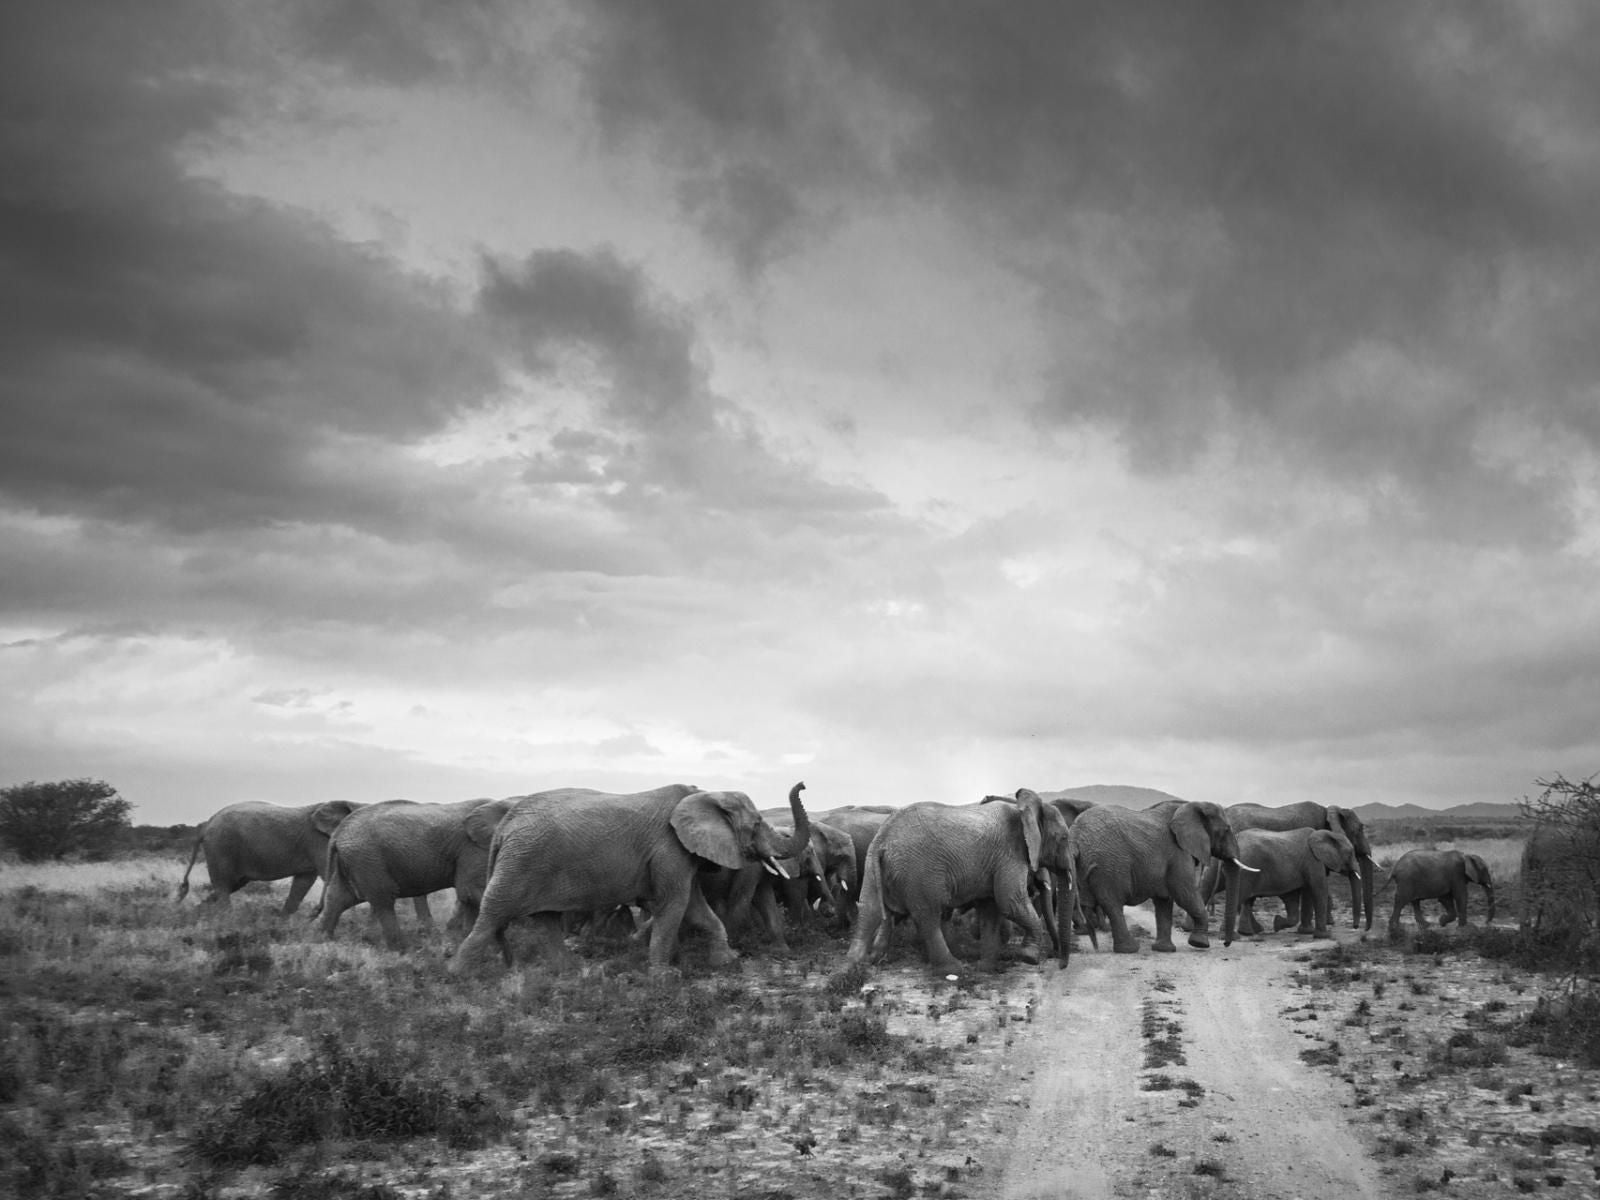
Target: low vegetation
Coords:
[[153, 1044]]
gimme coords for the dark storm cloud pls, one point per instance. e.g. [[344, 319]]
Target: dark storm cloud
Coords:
[[175, 354], [1289, 194], [400, 42], [673, 432], [740, 97]]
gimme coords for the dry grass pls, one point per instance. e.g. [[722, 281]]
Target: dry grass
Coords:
[[154, 1043], [80, 879]]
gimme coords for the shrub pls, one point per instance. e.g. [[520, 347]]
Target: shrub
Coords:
[[1560, 874], [339, 1094], [51, 820], [1567, 1026]]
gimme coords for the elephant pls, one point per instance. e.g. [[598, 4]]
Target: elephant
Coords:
[[1288, 861], [1073, 914], [574, 849], [1441, 875], [400, 848], [254, 842], [826, 866], [1307, 814], [929, 859], [1126, 856], [860, 822]]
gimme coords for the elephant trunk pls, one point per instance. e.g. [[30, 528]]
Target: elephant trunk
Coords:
[[802, 824], [1233, 872], [1066, 900], [1361, 889], [1488, 891]]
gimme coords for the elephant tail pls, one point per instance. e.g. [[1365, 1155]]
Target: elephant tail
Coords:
[[200, 840], [336, 872]]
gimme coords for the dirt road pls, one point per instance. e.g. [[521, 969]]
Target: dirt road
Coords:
[[1241, 1114]]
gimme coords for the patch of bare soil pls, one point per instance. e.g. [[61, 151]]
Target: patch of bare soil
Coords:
[[1285, 1067], [1175, 1074], [1422, 1046]]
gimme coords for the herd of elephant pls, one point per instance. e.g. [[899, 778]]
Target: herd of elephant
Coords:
[[711, 859]]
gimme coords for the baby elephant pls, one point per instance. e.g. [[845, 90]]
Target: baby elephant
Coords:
[[1441, 875]]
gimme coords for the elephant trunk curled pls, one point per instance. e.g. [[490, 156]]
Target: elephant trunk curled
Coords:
[[802, 825]]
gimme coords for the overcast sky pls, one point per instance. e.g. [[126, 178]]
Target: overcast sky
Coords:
[[920, 400]]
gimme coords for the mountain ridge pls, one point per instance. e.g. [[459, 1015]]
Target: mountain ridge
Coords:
[[1135, 797]]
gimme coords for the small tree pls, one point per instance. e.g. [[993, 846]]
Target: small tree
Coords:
[[1560, 877], [50, 820]]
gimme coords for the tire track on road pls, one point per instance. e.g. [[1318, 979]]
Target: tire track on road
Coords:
[[1275, 1127]]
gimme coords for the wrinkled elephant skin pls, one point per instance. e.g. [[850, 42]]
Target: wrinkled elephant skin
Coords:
[[579, 850], [928, 859], [253, 842], [402, 849]]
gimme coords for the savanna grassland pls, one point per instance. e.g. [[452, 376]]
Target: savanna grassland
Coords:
[[160, 1049], [174, 1050]]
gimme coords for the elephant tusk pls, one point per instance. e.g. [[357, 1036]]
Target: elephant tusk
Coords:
[[1357, 873], [1242, 867], [774, 866]]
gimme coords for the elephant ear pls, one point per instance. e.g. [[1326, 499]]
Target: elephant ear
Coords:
[[1031, 809], [1327, 849], [709, 824], [482, 821], [325, 818], [1348, 823], [1477, 870], [1188, 826]]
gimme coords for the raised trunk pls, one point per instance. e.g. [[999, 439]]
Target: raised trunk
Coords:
[[802, 826]]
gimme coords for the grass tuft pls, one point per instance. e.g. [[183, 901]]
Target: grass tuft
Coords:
[[338, 1093]]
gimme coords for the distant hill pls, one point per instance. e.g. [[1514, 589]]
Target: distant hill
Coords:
[[1478, 810], [1142, 797], [1114, 793]]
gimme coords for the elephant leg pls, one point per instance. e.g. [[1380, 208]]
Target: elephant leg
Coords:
[[1416, 911], [766, 906], [1019, 909], [464, 917], [383, 913], [1163, 942], [930, 927], [1394, 917], [1248, 925], [1301, 911], [336, 899], [419, 905], [1320, 901], [1455, 906], [698, 914], [669, 915], [298, 887], [991, 935], [1122, 939], [547, 935], [1188, 899], [741, 902]]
